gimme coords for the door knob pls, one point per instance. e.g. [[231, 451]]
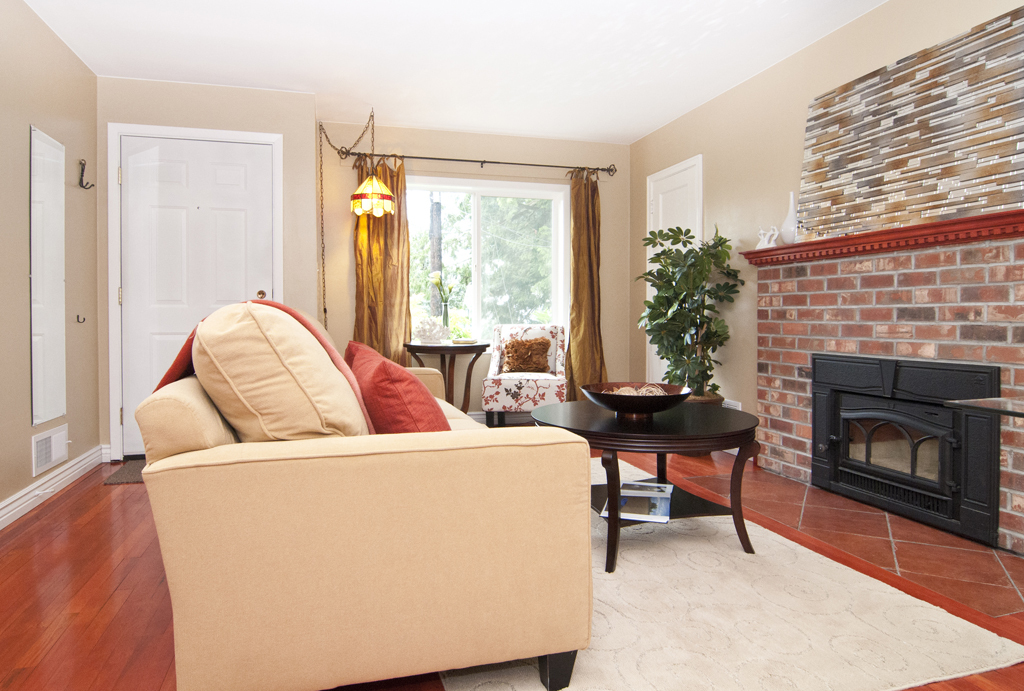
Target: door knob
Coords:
[[261, 294]]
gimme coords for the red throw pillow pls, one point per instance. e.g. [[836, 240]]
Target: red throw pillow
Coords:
[[395, 399]]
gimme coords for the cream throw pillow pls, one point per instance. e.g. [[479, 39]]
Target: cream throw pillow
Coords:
[[270, 377], [180, 417]]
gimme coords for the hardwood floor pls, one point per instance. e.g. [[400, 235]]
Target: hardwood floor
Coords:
[[84, 603], [82, 595]]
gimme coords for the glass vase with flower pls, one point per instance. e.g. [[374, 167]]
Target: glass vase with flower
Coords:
[[445, 293]]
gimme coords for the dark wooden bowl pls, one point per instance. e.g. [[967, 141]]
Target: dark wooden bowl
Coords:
[[635, 407]]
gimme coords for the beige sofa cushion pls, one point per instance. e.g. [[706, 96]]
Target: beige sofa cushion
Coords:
[[270, 377], [456, 418], [180, 417]]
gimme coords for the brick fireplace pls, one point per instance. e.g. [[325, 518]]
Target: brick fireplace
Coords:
[[949, 291]]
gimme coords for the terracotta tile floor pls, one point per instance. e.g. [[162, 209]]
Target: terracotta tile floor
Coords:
[[985, 579]]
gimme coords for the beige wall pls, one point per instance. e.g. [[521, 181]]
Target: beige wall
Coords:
[[751, 138], [172, 104], [43, 84], [340, 181]]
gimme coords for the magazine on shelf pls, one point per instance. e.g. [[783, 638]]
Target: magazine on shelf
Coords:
[[645, 489], [643, 501]]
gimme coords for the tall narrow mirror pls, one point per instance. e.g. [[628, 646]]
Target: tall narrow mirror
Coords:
[[46, 221]]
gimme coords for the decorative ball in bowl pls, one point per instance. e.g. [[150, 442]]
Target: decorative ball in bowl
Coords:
[[636, 400]]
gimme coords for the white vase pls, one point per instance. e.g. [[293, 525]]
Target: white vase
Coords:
[[787, 231]]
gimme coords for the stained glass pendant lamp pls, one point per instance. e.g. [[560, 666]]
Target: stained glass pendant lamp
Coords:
[[373, 196]]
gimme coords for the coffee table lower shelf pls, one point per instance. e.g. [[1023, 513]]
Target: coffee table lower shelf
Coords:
[[684, 505]]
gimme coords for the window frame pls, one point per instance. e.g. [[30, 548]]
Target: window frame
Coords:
[[560, 229]]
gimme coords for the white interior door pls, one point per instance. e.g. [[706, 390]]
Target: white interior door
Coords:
[[196, 234], [675, 197]]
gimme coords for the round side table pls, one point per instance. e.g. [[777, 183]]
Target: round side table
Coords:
[[450, 351]]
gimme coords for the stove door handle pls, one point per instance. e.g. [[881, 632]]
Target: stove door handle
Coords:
[[832, 440]]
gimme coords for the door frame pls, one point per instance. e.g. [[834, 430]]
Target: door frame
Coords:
[[697, 163], [116, 130]]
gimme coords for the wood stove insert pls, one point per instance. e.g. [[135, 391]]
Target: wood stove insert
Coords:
[[882, 436]]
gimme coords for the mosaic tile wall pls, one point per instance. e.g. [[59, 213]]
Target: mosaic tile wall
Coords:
[[938, 135]]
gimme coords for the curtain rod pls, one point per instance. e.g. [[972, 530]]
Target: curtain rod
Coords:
[[344, 153], [611, 170]]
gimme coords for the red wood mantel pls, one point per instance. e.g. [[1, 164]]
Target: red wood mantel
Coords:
[[997, 226]]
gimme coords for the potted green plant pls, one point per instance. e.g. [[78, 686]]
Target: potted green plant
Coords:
[[689, 279]]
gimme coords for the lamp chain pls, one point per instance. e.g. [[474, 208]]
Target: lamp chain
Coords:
[[346, 151], [323, 247]]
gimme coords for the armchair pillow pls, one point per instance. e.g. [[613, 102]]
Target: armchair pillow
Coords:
[[271, 378], [526, 355], [395, 399]]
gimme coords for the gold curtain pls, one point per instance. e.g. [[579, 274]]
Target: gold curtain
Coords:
[[584, 361], [383, 321]]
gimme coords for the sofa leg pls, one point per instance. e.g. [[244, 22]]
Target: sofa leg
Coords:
[[501, 418], [489, 418], [556, 670]]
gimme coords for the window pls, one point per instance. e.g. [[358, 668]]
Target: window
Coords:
[[502, 247]]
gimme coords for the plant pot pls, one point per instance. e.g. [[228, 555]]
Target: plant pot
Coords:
[[708, 398]]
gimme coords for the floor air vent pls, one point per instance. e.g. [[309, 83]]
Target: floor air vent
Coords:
[[49, 449]]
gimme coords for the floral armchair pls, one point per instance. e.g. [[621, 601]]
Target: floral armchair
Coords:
[[523, 391]]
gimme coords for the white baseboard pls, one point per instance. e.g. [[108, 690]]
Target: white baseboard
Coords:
[[13, 508], [105, 453]]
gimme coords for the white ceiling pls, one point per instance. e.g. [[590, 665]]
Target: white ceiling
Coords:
[[595, 70]]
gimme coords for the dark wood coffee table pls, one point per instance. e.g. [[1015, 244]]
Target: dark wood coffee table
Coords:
[[689, 428]]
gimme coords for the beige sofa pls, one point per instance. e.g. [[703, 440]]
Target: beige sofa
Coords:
[[313, 563]]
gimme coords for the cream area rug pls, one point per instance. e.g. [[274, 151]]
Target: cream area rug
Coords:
[[687, 609]]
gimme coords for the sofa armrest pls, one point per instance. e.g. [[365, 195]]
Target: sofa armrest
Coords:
[[332, 561], [432, 378]]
